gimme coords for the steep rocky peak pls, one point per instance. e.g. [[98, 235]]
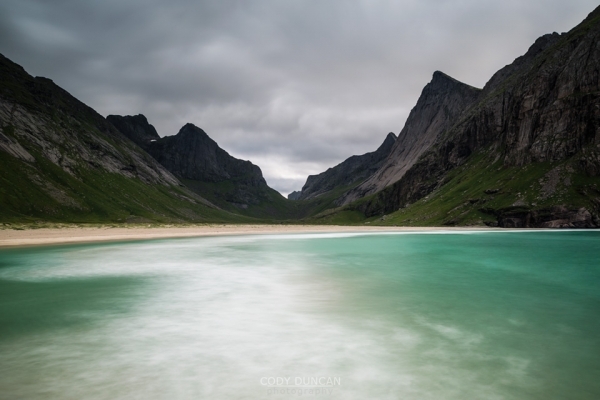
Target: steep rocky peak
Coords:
[[541, 44], [191, 129], [594, 14], [443, 99], [190, 126], [191, 135], [443, 86], [522, 63], [441, 78], [140, 118], [443, 82], [136, 128], [390, 138], [353, 170], [387, 144]]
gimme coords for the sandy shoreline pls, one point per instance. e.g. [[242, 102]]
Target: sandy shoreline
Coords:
[[65, 235]]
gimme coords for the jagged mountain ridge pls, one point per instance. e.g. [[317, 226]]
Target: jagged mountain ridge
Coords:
[[295, 195], [136, 128], [63, 161], [196, 159], [353, 170], [441, 102], [541, 113]]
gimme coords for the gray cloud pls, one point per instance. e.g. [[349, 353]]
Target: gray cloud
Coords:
[[294, 86]]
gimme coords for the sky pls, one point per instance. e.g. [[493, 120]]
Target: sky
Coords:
[[295, 86]]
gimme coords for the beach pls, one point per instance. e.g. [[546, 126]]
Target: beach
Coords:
[[82, 234]]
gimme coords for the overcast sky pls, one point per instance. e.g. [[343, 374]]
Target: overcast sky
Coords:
[[295, 86]]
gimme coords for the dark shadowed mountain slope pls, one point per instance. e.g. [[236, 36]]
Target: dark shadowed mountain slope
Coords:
[[192, 154], [204, 167], [527, 153], [353, 170], [442, 101], [62, 161], [136, 128]]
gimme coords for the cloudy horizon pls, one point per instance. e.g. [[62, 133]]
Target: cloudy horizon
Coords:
[[295, 87]]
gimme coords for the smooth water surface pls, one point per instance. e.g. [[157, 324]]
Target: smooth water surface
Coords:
[[488, 315]]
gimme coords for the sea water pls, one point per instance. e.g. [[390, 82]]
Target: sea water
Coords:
[[480, 315]]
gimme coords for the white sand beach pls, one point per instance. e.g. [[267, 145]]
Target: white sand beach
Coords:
[[78, 234]]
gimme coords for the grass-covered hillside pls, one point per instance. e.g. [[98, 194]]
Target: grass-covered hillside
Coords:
[[61, 161]]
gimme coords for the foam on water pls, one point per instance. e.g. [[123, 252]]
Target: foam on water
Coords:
[[393, 316]]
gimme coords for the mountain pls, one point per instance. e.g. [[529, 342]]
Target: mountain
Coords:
[[442, 101], [204, 167], [349, 172], [62, 161], [295, 195], [522, 152], [136, 128]]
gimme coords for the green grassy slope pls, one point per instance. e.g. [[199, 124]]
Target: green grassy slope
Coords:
[[480, 191], [98, 197], [79, 168]]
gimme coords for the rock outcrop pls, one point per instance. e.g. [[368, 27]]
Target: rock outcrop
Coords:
[[136, 128], [350, 172], [441, 103], [192, 154], [295, 195], [204, 167], [63, 161], [542, 110], [37, 112]]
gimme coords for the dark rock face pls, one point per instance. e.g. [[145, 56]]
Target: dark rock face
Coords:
[[63, 161], [136, 128], [353, 170], [294, 195], [41, 115], [441, 103], [544, 107], [192, 155], [553, 217]]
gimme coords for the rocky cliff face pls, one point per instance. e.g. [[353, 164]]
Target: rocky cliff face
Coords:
[[136, 128], [541, 113], [192, 154], [64, 130], [61, 160], [196, 159], [442, 101], [351, 171]]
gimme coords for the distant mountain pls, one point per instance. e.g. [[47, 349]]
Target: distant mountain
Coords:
[[62, 161], [204, 167], [295, 195], [348, 173], [524, 151]]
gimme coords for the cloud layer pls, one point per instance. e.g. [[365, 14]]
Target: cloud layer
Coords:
[[294, 86]]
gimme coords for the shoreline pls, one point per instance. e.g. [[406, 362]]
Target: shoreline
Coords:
[[104, 234]]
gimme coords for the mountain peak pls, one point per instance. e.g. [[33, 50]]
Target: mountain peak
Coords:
[[444, 82], [189, 125], [353, 170], [439, 75], [135, 127], [387, 144], [193, 129]]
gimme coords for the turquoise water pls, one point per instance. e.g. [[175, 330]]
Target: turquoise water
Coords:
[[493, 315]]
